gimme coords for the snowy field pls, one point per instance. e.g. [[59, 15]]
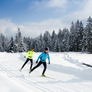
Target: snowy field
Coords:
[[66, 73]]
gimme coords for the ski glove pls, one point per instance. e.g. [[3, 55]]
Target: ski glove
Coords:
[[36, 61], [49, 63]]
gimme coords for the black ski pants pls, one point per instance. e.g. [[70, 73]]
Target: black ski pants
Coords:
[[44, 64], [31, 60]]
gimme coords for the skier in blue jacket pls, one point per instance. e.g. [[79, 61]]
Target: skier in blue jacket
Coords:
[[42, 58]]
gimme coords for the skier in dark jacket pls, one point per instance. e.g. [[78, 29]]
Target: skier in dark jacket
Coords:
[[42, 58]]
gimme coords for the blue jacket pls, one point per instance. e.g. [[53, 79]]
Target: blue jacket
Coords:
[[43, 57]]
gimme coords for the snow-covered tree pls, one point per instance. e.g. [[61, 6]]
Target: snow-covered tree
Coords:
[[54, 41], [72, 37], [1, 47], [65, 44], [76, 36], [20, 46], [47, 39], [84, 41], [79, 38], [10, 47], [89, 35], [4, 42]]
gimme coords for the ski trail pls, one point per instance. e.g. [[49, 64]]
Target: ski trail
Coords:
[[67, 78], [16, 75], [20, 77]]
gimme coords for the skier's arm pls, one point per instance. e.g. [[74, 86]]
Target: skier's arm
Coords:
[[39, 57]]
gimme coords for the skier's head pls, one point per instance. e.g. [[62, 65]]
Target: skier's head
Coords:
[[46, 50], [32, 49]]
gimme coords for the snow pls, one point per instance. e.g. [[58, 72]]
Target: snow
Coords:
[[66, 73]]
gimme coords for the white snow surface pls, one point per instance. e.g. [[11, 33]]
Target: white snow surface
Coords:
[[66, 73]]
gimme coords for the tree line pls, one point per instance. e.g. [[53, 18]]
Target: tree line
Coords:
[[77, 39]]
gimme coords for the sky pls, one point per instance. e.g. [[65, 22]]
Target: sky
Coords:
[[34, 17]]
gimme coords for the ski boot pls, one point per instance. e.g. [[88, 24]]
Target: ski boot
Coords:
[[43, 75]]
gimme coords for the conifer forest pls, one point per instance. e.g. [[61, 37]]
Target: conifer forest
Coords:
[[76, 39]]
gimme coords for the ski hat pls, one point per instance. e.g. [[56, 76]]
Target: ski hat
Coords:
[[46, 49], [32, 49]]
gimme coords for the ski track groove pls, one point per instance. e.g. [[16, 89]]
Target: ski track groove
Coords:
[[12, 73], [23, 79], [8, 72]]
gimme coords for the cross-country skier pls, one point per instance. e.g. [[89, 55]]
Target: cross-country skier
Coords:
[[42, 58], [30, 57]]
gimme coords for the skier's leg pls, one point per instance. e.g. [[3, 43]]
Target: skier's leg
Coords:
[[24, 63], [31, 60], [45, 66], [36, 66]]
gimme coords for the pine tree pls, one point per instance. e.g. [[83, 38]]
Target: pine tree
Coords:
[[27, 42], [47, 39], [60, 38], [89, 35], [84, 41], [72, 37], [41, 43], [4, 42], [54, 41], [76, 40], [76, 36], [19, 44], [10, 47], [1, 47], [65, 43], [80, 36]]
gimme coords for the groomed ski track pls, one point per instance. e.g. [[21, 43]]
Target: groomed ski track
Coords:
[[68, 74]]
